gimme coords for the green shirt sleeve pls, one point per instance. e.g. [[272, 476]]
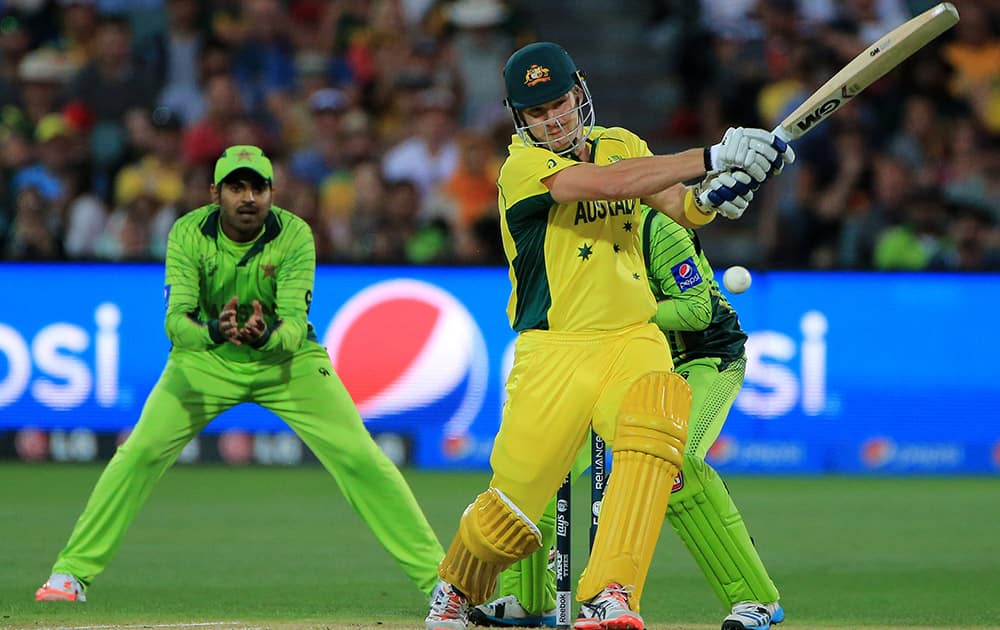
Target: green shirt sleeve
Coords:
[[682, 303], [294, 278], [184, 329]]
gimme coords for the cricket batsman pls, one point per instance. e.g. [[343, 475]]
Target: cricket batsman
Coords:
[[586, 353], [708, 348], [239, 282]]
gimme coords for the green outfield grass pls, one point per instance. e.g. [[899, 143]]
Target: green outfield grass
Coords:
[[281, 548]]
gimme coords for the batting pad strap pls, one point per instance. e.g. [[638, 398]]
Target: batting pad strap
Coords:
[[631, 518], [704, 516], [693, 211], [492, 535], [653, 417]]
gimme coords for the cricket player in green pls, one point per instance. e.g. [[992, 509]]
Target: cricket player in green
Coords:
[[707, 345], [239, 282]]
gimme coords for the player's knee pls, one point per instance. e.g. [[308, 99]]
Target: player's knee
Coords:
[[139, 453], [496, 531], [653, 417]]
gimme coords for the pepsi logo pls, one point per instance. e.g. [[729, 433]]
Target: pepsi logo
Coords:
[[877, 452], [236, 447], [32, 445], [722, 451], [678, 482], [685, 270], [409, 351]]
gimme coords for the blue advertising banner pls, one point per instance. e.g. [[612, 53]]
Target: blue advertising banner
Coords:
[[847, 373]]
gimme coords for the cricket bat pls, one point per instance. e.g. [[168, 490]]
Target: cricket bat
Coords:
[[872, 64]]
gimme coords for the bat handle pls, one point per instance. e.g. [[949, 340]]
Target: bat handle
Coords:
[[782, 133]]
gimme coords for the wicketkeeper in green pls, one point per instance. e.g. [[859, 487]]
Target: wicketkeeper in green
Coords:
[[239, 281], [707, 345]]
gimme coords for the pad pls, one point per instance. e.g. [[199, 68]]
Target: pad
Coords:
[[492, 535], [648, 447], [532, 579], [705, 517]]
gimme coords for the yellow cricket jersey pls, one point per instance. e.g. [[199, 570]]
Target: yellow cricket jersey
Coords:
[[574, 266]]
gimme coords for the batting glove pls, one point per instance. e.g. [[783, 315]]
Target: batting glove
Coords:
[[728, 193], [756, 151]]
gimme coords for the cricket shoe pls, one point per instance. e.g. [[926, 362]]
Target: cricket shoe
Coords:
[[61, 587], [449, 609], [609, 610], [507, 611], [753, 616]]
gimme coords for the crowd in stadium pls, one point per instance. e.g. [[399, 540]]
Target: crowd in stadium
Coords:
[[385, 123]]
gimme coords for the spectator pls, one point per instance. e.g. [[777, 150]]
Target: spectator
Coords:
[[305, 199], [975, 242], [128, 232], [46, 174], [485, 243], [78, 37], [914, 244], [16, 153], [352, 209], [205, 141], [430, 155], [113, 83], [43, 76], [479, 47], [86, 216], [918, 141], [396, 222], [109, 86], [975, 57], [964, 176], [160, 163], [15, 42], [173, 58], [324, 153], [263, 62], [33, 236], [341, 90], [160, 173], [471, 191]]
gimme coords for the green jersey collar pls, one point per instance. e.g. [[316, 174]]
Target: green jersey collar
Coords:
[[272, 228]]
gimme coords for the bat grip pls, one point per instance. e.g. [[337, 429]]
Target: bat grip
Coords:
[[782, 133]]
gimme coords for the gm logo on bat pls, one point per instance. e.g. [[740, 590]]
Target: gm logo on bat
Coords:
[[818, 114]]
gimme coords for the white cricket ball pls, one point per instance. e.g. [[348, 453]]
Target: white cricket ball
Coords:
[[736, 279]]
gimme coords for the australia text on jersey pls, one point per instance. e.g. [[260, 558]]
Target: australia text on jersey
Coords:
[[587, 211]]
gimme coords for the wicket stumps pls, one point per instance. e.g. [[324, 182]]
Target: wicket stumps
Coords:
[[564, 498]]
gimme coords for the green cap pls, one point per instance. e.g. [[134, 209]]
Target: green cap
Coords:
[[243, 156], [538, 73]]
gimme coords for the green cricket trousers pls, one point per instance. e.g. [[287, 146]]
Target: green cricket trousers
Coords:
[[304, 391]]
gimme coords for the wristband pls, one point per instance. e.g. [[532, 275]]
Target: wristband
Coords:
[[693, 212], [214, 333], [707, 157], [263, 339]]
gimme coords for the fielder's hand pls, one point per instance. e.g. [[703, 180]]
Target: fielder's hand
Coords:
[[756, 151], [728, 193], [255, 327], [227, 321]]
